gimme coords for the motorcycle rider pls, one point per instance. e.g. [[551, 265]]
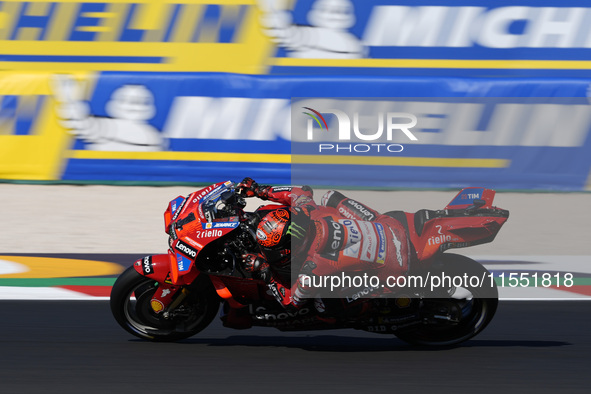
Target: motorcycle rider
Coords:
[[341, 234]]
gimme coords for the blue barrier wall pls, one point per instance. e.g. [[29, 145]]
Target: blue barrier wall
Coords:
[[217, 126], [188, 91]]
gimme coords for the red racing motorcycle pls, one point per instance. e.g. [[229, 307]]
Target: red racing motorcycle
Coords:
[[446, 298]]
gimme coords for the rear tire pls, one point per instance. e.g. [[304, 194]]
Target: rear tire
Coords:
[[130, 305], [473, 307]]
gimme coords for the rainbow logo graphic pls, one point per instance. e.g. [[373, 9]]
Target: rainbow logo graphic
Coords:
[[315, 116]]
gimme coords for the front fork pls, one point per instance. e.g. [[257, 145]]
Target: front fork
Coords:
[[163, 300], [157, 267]]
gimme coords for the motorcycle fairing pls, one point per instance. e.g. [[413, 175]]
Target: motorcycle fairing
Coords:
[[173, 210], [155, 267], [465, 198], [445, 232], [159, 267], [469, 219], [225, 293], [193, 225]]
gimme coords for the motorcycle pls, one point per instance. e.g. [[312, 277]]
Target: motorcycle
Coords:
[[169, 297]]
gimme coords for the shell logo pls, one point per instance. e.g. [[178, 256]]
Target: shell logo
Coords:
[[403, 302], [157, 306]]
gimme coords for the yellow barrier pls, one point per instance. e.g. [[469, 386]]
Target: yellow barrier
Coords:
[[37, 151], [139, 35]]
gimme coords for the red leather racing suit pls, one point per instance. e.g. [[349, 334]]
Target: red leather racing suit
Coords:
[[343, 235]]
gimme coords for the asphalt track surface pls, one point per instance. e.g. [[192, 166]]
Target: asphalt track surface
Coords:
[[77, 347]]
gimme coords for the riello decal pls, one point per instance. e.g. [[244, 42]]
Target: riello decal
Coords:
[[438, 239]]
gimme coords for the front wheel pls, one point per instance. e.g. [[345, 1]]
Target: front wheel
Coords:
[[130, 305], [462, 312]]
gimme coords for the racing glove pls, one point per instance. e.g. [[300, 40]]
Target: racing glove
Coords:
[[256, 265], [249, 188]]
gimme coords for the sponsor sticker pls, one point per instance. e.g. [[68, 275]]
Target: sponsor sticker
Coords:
[[147, 267], [369, 241], [335, 236], [224, 225], [398, 246], [381, 258], [176, 204], [360, 210], [208, 234], [186, 249], [202, 194], [183, 263], [157, 306], [467, 196], [353, 242], [353, 233], [178, 209], [281, 189], [438, 239]]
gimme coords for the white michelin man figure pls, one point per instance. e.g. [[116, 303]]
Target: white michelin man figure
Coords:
[[325, 38], [126, 129]]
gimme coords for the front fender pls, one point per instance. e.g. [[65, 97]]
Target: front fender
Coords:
[[158, 267], [155, 267]]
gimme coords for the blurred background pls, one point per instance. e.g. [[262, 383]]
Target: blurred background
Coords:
[[111, 108], [193, 92]]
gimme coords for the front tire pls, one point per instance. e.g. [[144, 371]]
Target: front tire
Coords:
[[472, 307], [130, 305]]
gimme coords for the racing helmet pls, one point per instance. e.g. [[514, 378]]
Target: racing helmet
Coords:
[[272, 230], [276, 231]]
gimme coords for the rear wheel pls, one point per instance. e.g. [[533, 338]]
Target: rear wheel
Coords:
[[130, 305], [455, 314]]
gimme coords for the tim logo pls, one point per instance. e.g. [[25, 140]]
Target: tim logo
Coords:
[[391, 123]]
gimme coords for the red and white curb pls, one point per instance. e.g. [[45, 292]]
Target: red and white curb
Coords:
[[505, 264], [52, 293]]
